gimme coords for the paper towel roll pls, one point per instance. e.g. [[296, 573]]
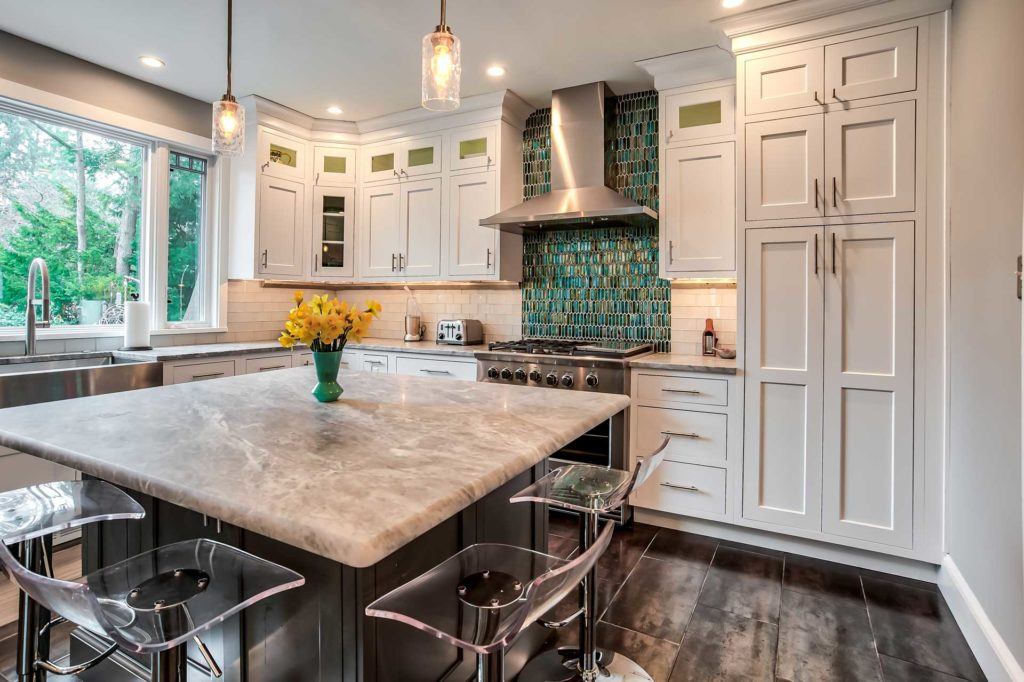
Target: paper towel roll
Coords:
[[136, 324]]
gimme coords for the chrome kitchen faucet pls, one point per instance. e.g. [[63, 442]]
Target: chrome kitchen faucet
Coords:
[[31, 324]]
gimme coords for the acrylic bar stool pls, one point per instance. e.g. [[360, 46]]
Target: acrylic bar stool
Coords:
[[28, 518], [590, 491], [481, 598], [156, 602]]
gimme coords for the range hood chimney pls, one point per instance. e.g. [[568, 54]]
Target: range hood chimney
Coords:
[[580, 196]]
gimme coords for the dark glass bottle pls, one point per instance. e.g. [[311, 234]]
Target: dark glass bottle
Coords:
[[710, 340]]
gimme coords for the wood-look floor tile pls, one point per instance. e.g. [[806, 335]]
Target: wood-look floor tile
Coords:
[[814, 576], [744, 583], [916, 625], [898, 670], [657, 598], [824, 637], [724, 646], [674, 545], [628, 545]]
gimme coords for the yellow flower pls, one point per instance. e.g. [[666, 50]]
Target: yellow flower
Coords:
[[298, 297], [287, 340], [374, 307]]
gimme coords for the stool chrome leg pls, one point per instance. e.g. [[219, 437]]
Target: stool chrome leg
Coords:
[[170, 665], [30, 615], [490, 667]]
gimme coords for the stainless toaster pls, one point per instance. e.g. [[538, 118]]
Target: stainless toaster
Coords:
[[460, 332]]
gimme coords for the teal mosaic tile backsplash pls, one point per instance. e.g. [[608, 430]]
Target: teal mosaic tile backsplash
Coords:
[[598, 284]]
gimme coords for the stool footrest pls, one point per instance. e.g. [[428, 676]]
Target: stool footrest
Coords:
[[557, 624], [51, 667]]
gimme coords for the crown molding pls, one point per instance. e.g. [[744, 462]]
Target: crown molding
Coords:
[[799, 20], [692, 67]]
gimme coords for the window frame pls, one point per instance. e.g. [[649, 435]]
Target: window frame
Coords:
[[154, 213]]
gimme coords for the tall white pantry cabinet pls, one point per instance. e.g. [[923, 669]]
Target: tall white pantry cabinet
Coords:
[[840, 129]]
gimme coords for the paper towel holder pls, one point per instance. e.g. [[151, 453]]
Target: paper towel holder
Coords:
[[135, 297]]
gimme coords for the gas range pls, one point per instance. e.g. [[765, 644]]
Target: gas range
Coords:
[[554, 363]]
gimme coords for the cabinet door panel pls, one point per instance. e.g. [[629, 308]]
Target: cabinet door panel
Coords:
[[334, 166], [705, 113], [784, 168], [699, 208], [281, 226], [869, 159], [421, 226], [382, 233], [782, 448], [785, 81], [333, 211], [474, 148], [869, 67], [868, 418], [421, 157], [471, 246], [281, 156], [381, 162]]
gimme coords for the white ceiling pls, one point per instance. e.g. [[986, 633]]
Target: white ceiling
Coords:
[[365, 56]]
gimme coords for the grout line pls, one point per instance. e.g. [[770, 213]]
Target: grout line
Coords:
[[696, 603], [778, 618], [642, 634]]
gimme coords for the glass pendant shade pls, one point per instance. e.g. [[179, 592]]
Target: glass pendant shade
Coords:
[[228, 127], [442, 70]]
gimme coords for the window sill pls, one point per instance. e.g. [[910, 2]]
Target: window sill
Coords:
[[15, 334]]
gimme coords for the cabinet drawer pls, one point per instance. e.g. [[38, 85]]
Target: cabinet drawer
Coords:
[[373, 362], [202, 371], [692, 435], [677, 389], [443, 369], [684, 489], [306, 359], [268, 364]]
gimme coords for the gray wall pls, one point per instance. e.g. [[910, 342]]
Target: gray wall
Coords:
[[986, 183], [40, 67]]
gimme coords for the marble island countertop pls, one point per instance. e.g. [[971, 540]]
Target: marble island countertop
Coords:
[[685, 363], [212, 350], [351, 481]]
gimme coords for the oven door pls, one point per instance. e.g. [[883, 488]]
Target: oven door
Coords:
[[604, 445]]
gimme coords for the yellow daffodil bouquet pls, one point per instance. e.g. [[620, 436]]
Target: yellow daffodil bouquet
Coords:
[[325, 325]]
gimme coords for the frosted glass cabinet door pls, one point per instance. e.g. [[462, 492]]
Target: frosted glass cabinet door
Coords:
[[334, 166], [281, 227], [473, 148], [782, 410], [421, 156], [699, 209], [381, 162], [869, 159], [701, 114], [868, 461], [785, 81], [784, 168], [281, 156], [381, 235]]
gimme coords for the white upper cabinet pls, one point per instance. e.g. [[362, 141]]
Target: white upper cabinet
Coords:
[[695, 115], [869, 67], [420, 251], [784, 168], [333, 231], [381, 234], [471, 247], [698, 210], [281, 227], [870, 159], [868, 442], [281, 156], [473, 148], [381, 162], [334, 165], [421, 156], [784, 81]]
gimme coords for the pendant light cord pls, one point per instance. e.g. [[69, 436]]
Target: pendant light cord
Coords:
[[443, 4], [229, 47]]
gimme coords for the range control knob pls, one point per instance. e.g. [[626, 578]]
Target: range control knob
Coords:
[[567, 380], [521, 374], [492, 372], [592, 380], [535, 376], [506, 374], [551, 380]]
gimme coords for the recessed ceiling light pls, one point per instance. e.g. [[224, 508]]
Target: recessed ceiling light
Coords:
[[152, 62], [730, 4], [495, 71], [334, 110]]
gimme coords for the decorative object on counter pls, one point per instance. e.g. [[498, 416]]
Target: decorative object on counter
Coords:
[[710, 339], [325, 326], [725, 353], [136, 324], [442, 67], [228, 115], [414, 327], [460, 332]]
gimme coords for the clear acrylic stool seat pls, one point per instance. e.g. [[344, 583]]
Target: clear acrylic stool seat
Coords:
[[590, 491], [28, 517], [482, 598]]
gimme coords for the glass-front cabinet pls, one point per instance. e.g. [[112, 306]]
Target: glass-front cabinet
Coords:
[[333, 227], [401, 160], [699, 114], [381, 162], [282, 156], [334, 166], [473, 148], [421, 156]]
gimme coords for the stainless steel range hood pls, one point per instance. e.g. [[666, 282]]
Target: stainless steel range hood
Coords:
[[579, 196]]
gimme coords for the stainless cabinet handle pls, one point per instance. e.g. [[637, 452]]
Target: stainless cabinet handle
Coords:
[[196, 377], [816, 98], [316, 262], [489, 161], [264, 258], [402, 172], [681, 390], [815, 253], [435, 371], [815, 193], [340, 362], [393, 257], [396, 173], [267, 369], [676, 486], [835, 96], [401, 261], [265, 166], [671, 245], [316, 180], [668, 135], [488, 259], [833, 253], [681, 434], [834, 190], [375, 363]]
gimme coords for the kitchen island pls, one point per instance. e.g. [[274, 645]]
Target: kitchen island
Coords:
[[359, 496]]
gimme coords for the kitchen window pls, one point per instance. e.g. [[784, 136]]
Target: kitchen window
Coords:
[[114, 214]]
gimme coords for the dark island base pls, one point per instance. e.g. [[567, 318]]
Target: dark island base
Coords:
[[319, 631]]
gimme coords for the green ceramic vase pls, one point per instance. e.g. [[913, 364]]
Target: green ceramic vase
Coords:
[[327, 388]]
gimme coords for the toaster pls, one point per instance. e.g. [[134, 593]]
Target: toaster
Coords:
[[460, 332]]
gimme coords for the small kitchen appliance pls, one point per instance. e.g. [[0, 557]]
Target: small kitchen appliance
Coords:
[[460, 332]]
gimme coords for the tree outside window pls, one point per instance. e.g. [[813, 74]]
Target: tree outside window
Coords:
[[185, 238]]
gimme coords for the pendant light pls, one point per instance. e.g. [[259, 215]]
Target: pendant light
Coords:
[[228, 115], [442, 68]]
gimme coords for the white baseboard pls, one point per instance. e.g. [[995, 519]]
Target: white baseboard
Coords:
[[994, 657]]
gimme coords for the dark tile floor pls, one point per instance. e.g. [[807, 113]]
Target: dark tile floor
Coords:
[[687, 607]]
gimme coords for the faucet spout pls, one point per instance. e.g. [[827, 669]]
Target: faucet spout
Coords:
[[37, 267]]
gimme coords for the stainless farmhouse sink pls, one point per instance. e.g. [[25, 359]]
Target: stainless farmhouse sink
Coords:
[[43, 378]]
